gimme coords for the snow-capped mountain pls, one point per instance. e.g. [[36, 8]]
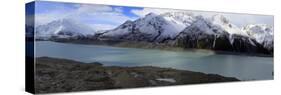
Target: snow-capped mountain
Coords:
[[218, 33], [152, 27], [63, 28], [202, 30], [186, 30], [180, 29], [225, 24], [262, 33], [158, 28]]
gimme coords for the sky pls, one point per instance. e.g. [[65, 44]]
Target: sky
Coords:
[[104, 17]]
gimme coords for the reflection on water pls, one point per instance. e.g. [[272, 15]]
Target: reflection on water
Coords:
[[241, 67]]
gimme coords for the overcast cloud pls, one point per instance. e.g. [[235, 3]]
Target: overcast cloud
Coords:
[[103, 17]]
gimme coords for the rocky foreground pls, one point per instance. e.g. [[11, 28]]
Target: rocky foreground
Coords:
[[61, 75]]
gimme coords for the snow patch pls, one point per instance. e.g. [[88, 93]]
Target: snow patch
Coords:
[[166, 80]]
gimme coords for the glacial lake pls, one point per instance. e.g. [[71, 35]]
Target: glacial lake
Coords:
[[241, 67]]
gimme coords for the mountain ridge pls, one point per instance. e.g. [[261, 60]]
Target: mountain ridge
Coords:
[[184, 29], [63, 28]]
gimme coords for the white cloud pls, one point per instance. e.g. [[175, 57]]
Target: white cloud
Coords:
[[145, 11], [118, 9], [84, 8], [102, 26], [238, 19], [41, 19], [101, 16], [244, 19]]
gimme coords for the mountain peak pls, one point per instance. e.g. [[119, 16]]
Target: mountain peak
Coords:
[[177, 13], [154, 27], [128, 21], [220, 19], [258, 31], [63, 28], [151, 14], [262, 33], [224, 23], [259, 28]]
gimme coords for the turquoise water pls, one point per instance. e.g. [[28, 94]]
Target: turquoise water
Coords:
[[241, 67]]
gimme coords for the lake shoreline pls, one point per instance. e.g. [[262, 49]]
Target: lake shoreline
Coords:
[[147, 45], [63, 75]]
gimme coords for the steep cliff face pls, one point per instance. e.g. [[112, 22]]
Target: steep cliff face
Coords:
[[188, 31], [262, 33], [219, 35]]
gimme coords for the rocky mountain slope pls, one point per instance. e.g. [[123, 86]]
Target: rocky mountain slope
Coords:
[[152, 27], [63, 28], [262, 33], [179, 29], [190, 31], [218, 34]]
